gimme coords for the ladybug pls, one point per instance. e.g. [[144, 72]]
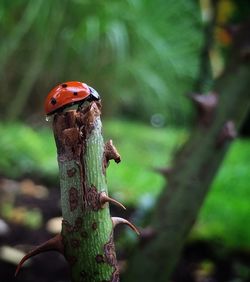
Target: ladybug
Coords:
[[68, 94]]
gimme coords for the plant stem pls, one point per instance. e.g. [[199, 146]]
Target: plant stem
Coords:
[[86, 239], [87, 230]]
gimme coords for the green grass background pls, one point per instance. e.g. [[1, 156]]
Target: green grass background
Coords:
[[225, 213]]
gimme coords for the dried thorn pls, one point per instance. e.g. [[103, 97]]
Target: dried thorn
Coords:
[[206, 105], [227, 133], [111, 152], [119, 220], [205, 102], [104, 198], [54, 244], [164, 171]]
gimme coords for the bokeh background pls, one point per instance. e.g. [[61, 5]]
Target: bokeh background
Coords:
[[143, 57]]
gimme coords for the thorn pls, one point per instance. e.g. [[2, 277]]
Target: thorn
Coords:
[[227, 133], [54, 244], [111, 152], [104, 198], [164, 171], [206, 104], [119, 220]]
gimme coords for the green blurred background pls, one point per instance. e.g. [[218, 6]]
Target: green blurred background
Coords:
[[131, 51], [143, 57]]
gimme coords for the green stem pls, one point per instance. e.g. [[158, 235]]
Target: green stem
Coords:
[[87, 230], [86, 239]]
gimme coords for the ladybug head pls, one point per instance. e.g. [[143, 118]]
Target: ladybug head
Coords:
[[68, 94], [94, 94]]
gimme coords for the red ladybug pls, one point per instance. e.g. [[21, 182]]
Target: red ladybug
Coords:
[[67, 94]]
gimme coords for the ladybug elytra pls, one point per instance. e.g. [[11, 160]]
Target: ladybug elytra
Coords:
[[67, 94]]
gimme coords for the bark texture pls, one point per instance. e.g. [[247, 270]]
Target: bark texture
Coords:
[[194, 168]]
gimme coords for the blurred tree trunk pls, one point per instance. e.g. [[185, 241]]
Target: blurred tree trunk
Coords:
[[195, 166]]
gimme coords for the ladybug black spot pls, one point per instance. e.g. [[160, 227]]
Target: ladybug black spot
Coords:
[[53, 101], [64, 85], [75, 93]]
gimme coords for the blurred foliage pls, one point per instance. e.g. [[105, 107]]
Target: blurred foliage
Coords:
[[31, 218], [141, 55], [26, 152], [141, 147], [229, 15], [226, 209]]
